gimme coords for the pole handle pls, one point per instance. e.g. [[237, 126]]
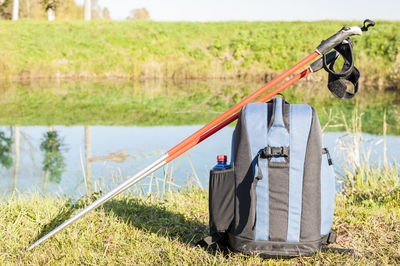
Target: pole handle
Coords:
[[346, 32], [338, 38]]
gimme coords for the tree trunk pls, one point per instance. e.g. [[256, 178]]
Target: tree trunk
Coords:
[[88, 10], [28, 9], [51, 15], [15, 10]]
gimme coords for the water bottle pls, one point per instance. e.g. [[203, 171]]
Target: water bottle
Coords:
[[221, 163]]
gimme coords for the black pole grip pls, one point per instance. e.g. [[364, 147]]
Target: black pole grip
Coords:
[[319, 64], [338, 38]]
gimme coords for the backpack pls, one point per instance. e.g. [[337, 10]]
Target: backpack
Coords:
[[277, 199]]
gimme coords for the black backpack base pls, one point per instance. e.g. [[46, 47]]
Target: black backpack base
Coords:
[[279, 249], [273, 250]]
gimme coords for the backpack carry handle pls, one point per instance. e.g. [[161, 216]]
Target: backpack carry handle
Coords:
[[343, 34]]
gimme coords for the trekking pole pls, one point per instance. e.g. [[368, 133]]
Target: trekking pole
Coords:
[[163, 160], [186, 144]]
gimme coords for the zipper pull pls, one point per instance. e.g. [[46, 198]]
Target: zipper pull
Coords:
[[328, 155]]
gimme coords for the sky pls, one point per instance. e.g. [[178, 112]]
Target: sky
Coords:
[[256, 10]]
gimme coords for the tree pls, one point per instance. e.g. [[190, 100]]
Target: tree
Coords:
[[96, 10], [68, 9], [5, 9], [139, 14], [88, 10], [106, 14], [15, 10], [32, 9], [47, 9], [28, 8], [51, 6]]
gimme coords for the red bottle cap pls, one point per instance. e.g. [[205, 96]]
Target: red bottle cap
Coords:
[[222, 158]]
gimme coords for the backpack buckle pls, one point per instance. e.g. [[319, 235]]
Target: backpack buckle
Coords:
[[273, 152], [331, 237]]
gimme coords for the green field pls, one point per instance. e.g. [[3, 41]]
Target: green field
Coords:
[[136, 230], [177, 50]]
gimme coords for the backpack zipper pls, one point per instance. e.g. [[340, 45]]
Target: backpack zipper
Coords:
[[328, 155]]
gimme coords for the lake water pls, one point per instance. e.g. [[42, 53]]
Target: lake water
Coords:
[[142, 120], [109, 154]]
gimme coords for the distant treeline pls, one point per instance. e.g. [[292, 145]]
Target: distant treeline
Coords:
[[64, 9], [180, 50]]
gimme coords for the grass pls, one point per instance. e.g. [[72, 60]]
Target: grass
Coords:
[[183, 50], [147, 230]]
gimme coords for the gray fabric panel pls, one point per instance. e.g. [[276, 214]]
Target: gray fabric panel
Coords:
[[311, 207], [271, 113], [278, 201], [233, 152], [245, 200], [286, 115], [279, 191]]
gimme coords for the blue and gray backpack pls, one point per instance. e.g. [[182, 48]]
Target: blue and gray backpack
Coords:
[[277, 199]]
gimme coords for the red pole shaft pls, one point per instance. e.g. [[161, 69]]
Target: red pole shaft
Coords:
[[288, 83], [236, 116], [247, 100]]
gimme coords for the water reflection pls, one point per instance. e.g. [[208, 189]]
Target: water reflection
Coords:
[[53, 159], [17, 155], [6, 159], [150, 103], [88, 163]]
